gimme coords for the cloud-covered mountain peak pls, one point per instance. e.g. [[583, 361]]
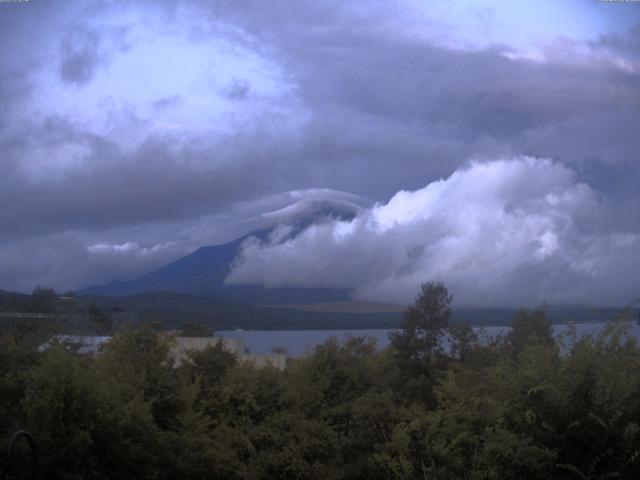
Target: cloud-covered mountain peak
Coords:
[[513, 231], [312, 211], [299, 209]]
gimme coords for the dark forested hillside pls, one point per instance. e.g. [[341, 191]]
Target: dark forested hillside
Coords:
[[172, 308]]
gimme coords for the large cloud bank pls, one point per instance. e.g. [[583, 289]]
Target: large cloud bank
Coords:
[[509, 232], [153, 128]]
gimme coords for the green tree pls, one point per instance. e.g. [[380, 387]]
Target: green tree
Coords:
[[417, 345], [425, 321], [141, 359], [462, 340], [207, 368], [16, 362], [100, 323], [43, 299], [83, 425], [529, 328], [194, 329]]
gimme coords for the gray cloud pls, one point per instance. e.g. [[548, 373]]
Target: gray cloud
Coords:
[[238, 89], [628, 41], [80, 56], [162, 179], [14, 87], [168, 102], [84, 49], [66, 262]]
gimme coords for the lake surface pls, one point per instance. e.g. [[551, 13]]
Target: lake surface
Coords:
[[299, 342]]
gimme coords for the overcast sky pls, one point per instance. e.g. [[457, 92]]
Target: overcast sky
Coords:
[[493, 145]]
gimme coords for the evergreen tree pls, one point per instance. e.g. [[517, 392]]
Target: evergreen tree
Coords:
[[417, 345]]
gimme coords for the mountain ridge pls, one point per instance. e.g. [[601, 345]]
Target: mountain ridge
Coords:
[[203, 271]]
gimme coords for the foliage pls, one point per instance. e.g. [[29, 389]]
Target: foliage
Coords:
[[529, 328], [417, 346], [525, 406], [43, 299], [100, 323], [194, 329]]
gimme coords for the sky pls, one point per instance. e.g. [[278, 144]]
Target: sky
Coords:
[[491, 145]]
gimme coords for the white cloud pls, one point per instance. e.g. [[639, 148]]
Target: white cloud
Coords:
[[511, 232], [127, 248], [270, 211], [64, 261]]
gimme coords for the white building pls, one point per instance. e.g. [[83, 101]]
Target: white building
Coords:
[[94, 345]]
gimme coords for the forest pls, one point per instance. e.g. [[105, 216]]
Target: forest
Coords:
[[525, 405]]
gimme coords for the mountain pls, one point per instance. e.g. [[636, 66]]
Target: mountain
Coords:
[[203, 271]]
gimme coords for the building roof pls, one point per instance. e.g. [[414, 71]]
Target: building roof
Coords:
[[82, 344]]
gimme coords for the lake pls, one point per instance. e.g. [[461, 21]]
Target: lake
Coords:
[[298, 342]]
